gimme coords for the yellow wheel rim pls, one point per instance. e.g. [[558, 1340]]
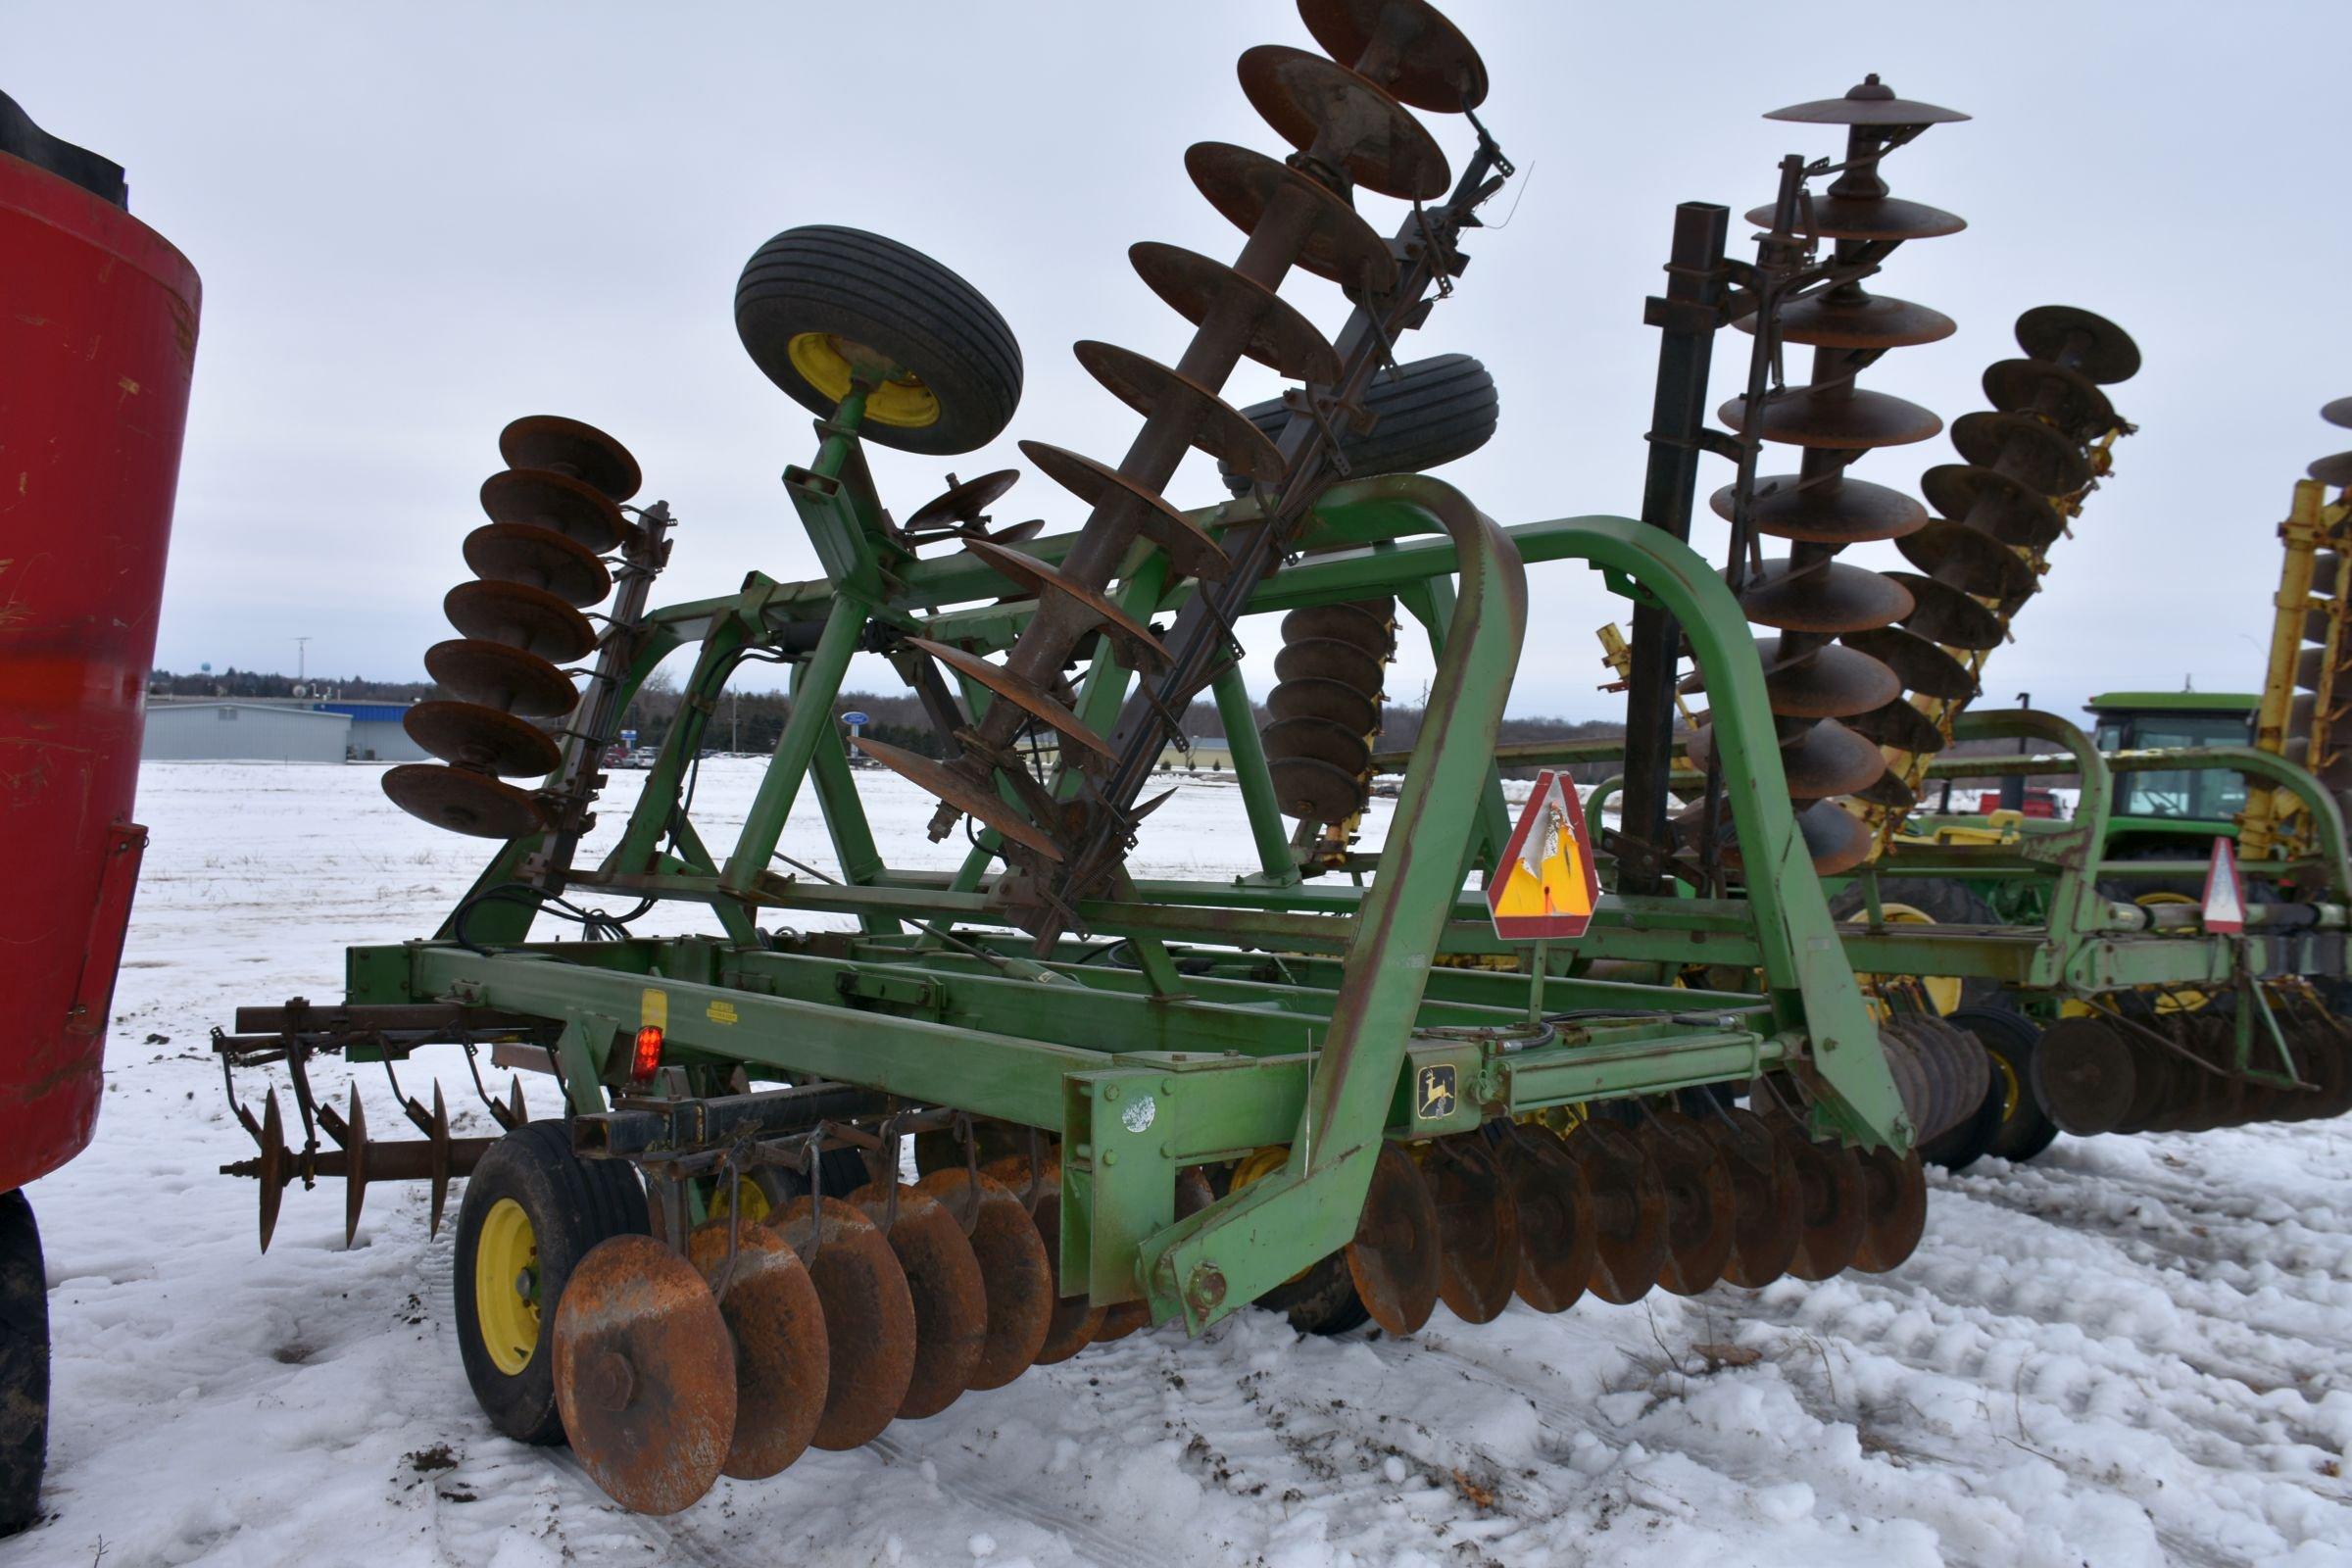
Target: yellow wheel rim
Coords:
[[831, 364], [506, 1285], [745, 1192], [2009, 1086], [1265, 1163], [1943, 990]]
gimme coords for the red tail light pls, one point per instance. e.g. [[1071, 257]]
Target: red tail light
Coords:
[[645, 1059]]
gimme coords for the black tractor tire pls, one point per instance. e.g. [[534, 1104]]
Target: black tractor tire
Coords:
[[1945, 900], [1428, 413], [2012, 1126], [862, 288], [1321, 1301], [572, 1205], [23, 1364]]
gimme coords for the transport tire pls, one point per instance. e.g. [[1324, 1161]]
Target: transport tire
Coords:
[[2014, 1126], [1320, 1299], [23, 1364], [814, 301], [532, 1209], [1431, 412], [1930, 901]]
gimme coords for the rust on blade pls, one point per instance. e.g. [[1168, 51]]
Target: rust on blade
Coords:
[[644, 1374], [1006, 684], [868, 1312], [972, 799], [782, 1358]]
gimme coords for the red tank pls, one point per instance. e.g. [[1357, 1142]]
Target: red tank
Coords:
[[96, 345]]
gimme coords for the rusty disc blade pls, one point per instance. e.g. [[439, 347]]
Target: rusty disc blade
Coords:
[[1075, 1319], [1895, 1199], [1869, 103], [951, 1300], [1395, 1258], [2082, 342], [1195, 286], [1826, 760], [2073, 402], [1825, 683], [1241, 183], [1888, 790], [1900, 725], [2334, 469], [973, 800], [1866, 219], [542, 497], [1314, 791], [1347, 623], [1829, 1180], [1013, 1271], [1016, 691], [1836, 841], [549, 441], [529, 618], [644, 1374], [1989, 500], [1320, 739], [869, 1317], [275, 1164], [1038, 580], [2085, 1076], [1558, 1227], [1843, 417], [1194, 552], [463, 802], [1414, 53], [1331, 700], [1328, 111], [1835, 510], [2029, 450], [1478, 1229], [537, 557], [778, 1327], [1770, 1216], [501, 677], [963, 505], [2339, 413], [1851, 319], [1943, 613], [482, 739], [1701, 1208], [1330, 659], [1975, 563], [1629, 1206], [1917, 662], [1822, 595], [1207, 421]]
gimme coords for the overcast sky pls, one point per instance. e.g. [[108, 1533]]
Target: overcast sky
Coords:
[[416, 223]]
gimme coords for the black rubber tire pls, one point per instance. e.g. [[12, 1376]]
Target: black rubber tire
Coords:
[[1431, 412], [2015, 1126], [1945, 900], [1322, 1301], [23, 1364], [895, 301], [573, 1205]]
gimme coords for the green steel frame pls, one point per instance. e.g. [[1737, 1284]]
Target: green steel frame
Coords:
[[1277, 1007]]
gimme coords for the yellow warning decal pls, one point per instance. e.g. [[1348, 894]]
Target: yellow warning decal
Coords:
[[722, 1012], [1545, 885], [653, 1008]]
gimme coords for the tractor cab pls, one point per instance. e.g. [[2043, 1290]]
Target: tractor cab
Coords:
[[2202, 802]]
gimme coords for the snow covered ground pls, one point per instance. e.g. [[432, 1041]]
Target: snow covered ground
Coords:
[[2133, 1351]]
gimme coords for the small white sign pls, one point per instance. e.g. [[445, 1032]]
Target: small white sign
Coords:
[[2224, 892]]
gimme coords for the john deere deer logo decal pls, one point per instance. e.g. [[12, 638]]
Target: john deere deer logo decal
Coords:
[[1434, 1092]]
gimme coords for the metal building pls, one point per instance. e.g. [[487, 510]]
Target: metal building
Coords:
[[375, 732], [228, 731]]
